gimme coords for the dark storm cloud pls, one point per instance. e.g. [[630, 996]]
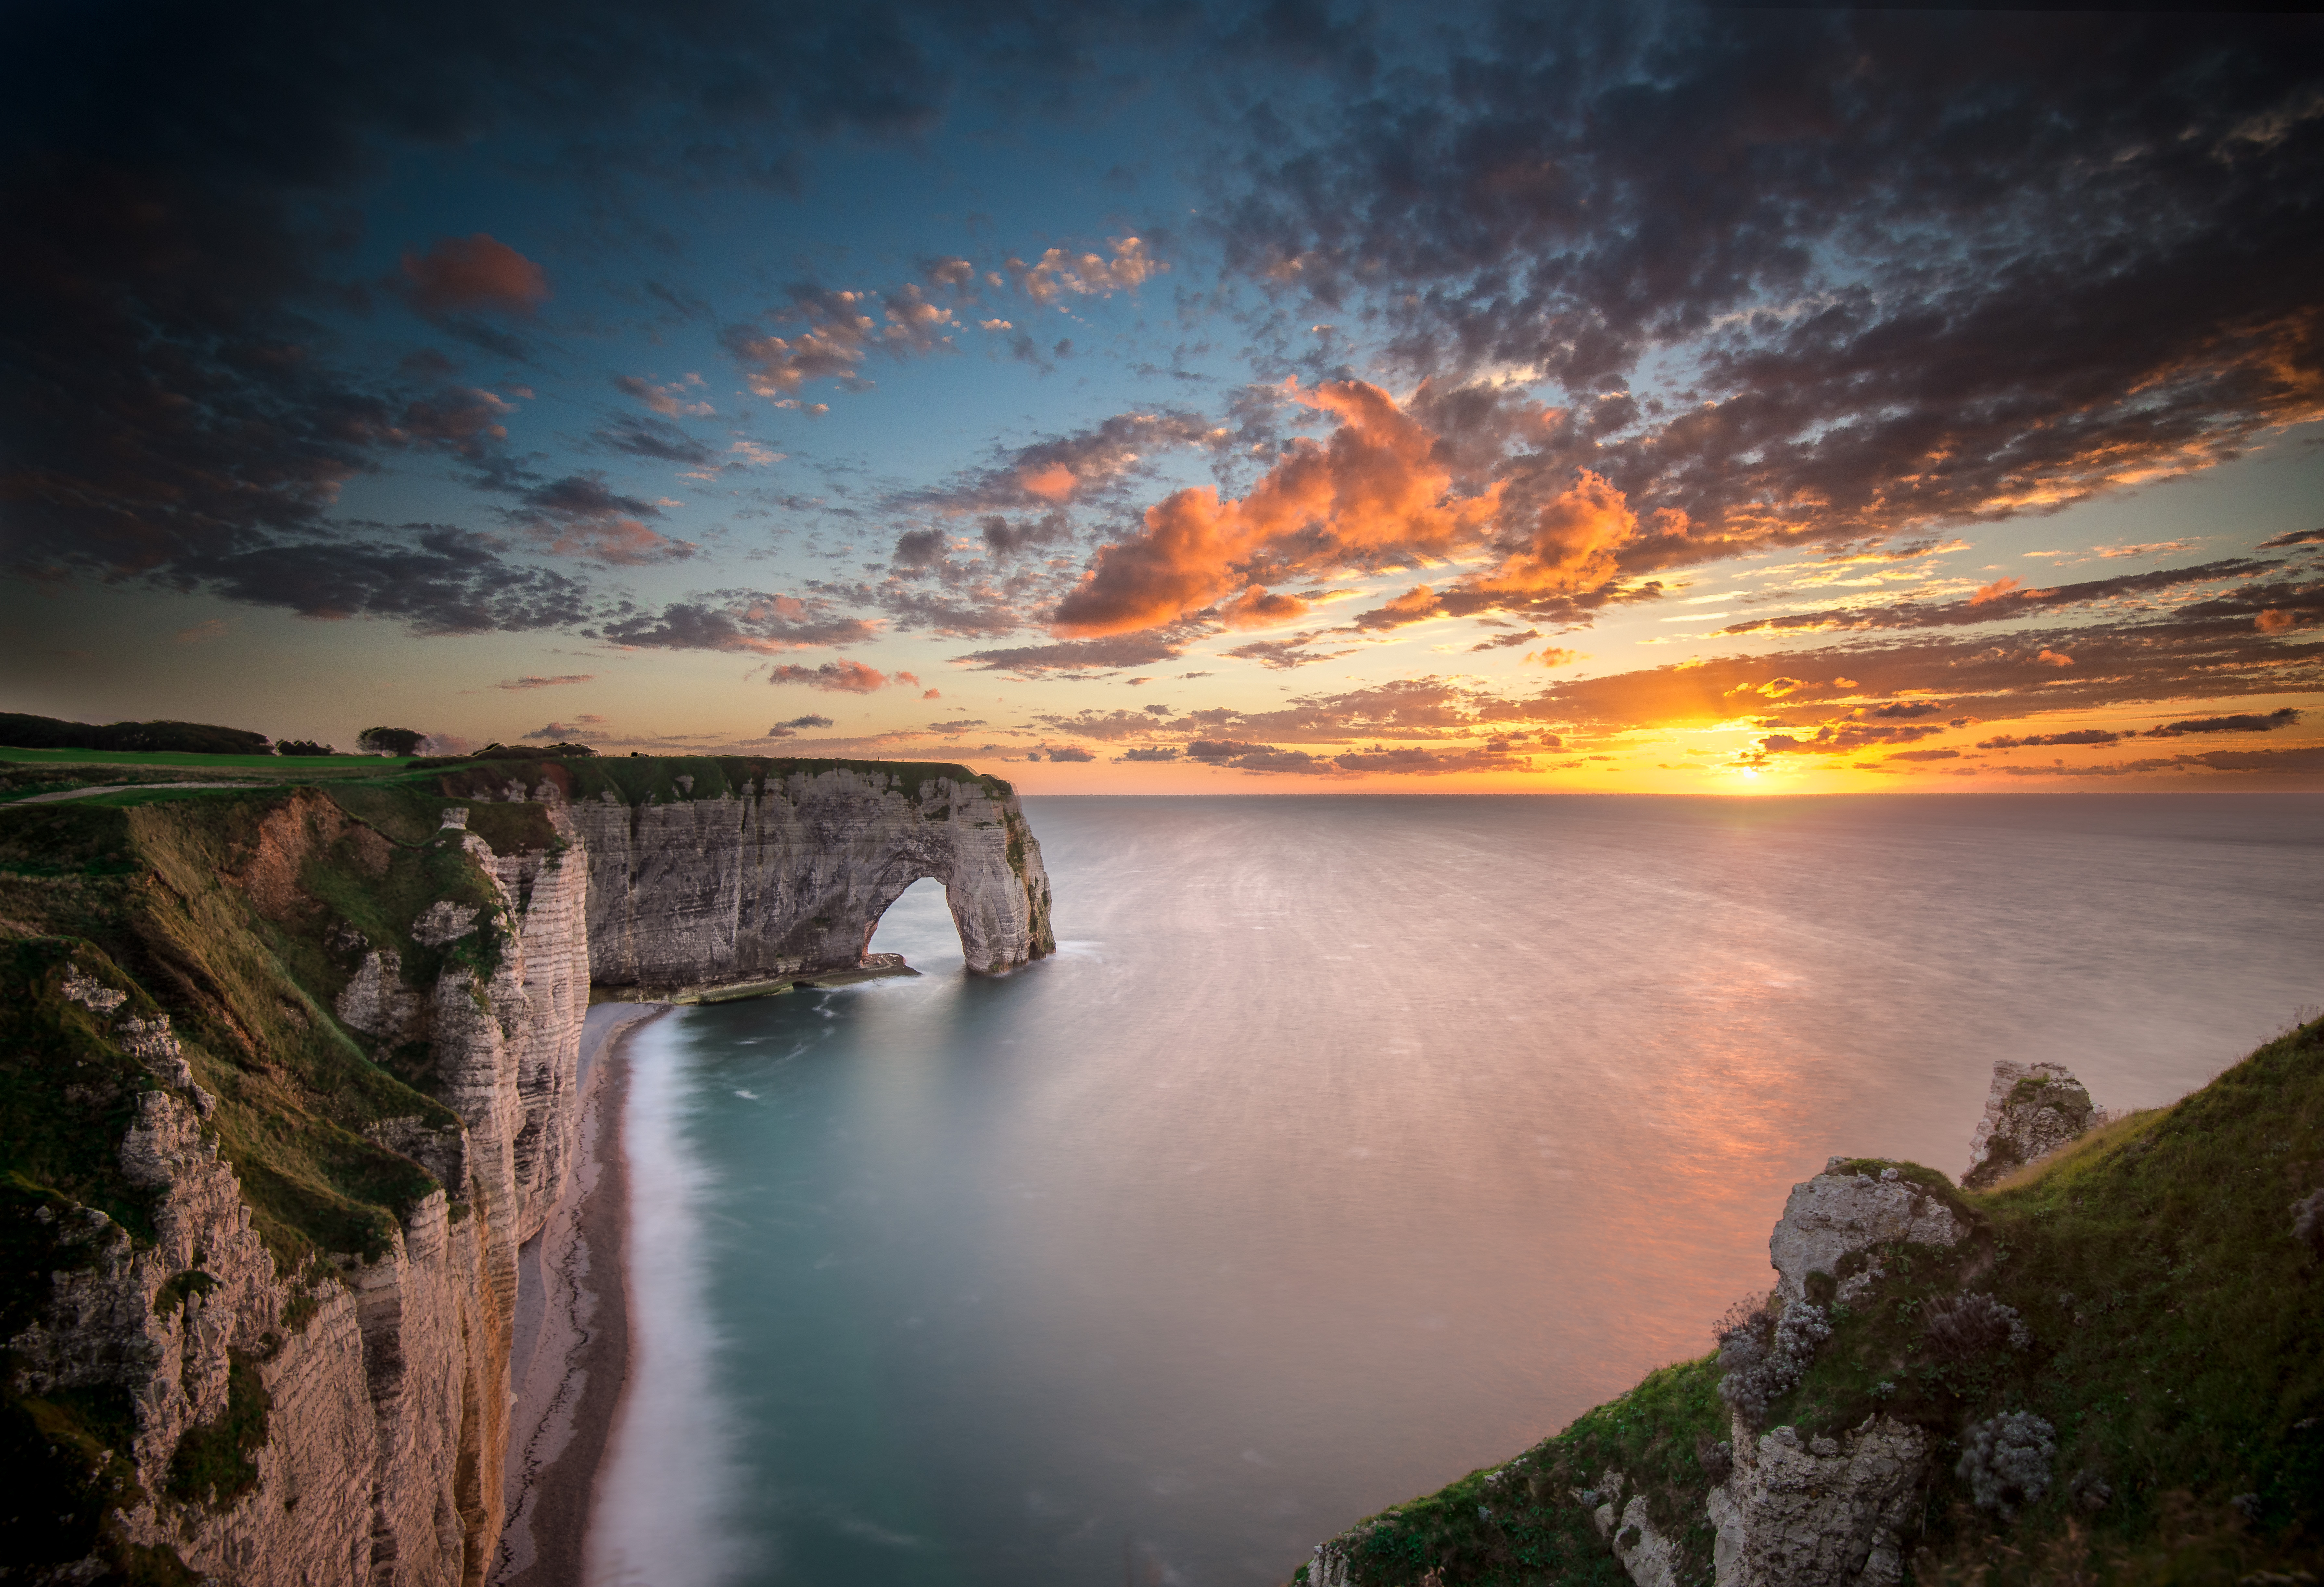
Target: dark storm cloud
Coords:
[[181, 190], [1927, 266]]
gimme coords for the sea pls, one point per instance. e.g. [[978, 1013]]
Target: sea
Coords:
[[1348, 1144]]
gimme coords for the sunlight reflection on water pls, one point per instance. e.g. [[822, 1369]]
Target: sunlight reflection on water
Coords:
[[1348, 1144]]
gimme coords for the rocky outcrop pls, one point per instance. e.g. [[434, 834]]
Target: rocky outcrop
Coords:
[[2031, 1110], [1648, 1556], [348, 1422], [1832, 1222], [358, 1418], [792, 876], [1819, 1512]]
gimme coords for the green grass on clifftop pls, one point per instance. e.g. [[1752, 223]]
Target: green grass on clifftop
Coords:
[[2177, 1350]]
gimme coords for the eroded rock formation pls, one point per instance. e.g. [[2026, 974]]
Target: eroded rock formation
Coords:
[[1832, 1223], [748, 886], [348, 1423], [1818, 1512], [2031, 1110]]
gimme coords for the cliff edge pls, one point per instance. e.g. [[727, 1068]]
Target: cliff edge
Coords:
[[2104, 1364], [288, 1076]]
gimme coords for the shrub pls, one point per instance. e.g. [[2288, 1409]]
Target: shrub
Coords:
[[303, 746], [1961, 1327], [185, 738], [1761, 1355], [2006, 1461], [390, 741]]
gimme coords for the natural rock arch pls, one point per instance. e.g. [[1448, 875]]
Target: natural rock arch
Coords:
[[790, 876]]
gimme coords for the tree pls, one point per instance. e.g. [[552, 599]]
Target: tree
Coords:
[[389, 741], [303, 746]]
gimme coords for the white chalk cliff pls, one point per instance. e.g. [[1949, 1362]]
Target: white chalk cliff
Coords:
[[385, 1386]]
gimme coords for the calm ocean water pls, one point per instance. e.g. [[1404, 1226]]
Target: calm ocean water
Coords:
[[1348, 1144]]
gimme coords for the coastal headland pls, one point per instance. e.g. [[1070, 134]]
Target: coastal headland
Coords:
[[314, 1179]]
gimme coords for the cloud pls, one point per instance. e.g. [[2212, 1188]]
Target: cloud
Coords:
[[1125, 650], [642, 437], [1069, 753], [1162, 753], [190, 383], [2085, 735], [436, 581], [528, 681], [809, 720], [580, 516], [1283, 654], [747, 621], [1057, 272], [466, 275], [577, 727], [852, 678], [673, 400], [2297, 537], [837, 331], [2246, 723], [1376, 490], [1077, 466], [1258, 607], [1860, 326], [209, 628], [461, 420], [2005, 599]]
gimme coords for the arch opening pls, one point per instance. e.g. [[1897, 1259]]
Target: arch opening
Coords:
[[918, 924]]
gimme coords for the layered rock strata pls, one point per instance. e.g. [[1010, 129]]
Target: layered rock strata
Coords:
[[793, 879]]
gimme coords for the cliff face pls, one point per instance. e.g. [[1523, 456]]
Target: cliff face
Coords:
[[339, 1416], [771, 879], [259, 1300]]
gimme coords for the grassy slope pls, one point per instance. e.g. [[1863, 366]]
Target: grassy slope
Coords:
[[181, 899], [2178, 1351], [188, 905]]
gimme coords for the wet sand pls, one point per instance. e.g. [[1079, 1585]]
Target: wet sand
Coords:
[[570, 1351]]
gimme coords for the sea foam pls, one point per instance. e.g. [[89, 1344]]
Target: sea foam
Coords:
[[666, 1496]]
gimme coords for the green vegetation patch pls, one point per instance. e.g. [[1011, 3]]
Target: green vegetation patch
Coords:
[[214, 1462], [643, 780], [1530, 1521], [2144, 1293]]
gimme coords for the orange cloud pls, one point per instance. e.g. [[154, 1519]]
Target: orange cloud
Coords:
[[2000, 589], [1260, 607], [1573, 544], [2275, 621], [2049, 658], [1375, 487], [470, 273], [847, 678]]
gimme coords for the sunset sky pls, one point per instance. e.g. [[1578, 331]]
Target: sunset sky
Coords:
[[1181, 397]]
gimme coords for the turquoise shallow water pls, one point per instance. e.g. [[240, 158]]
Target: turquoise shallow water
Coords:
[[1346, 1145]]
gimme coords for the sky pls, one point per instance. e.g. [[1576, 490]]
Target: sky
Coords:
[[1175, 397]]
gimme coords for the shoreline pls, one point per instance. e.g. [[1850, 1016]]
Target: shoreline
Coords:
[[570, 1348]]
